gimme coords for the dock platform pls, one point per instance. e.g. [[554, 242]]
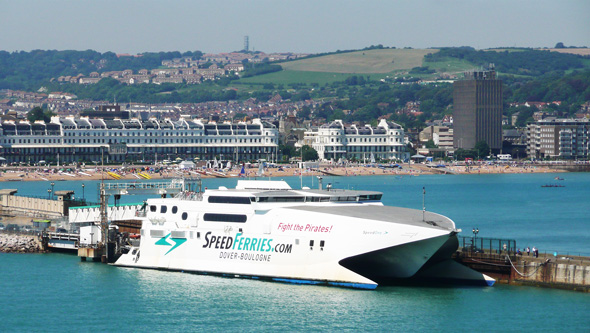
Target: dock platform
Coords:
[[508, 267]]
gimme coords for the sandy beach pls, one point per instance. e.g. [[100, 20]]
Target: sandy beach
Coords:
[[172, 171]]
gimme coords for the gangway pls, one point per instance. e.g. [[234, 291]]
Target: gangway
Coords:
[[61, 240]]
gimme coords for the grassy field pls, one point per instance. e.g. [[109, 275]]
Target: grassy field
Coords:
[[375, 64], [451, 66], [578, 51], [362, 62], [286, 77]]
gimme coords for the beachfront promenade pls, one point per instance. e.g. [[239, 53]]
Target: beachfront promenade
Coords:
[[130, 172]]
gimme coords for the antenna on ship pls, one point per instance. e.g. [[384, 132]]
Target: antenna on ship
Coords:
[[301, 170], [423, 203]]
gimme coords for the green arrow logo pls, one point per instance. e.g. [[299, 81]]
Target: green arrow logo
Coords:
[[177, 242]]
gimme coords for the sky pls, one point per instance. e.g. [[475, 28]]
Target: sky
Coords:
[[303, 26]]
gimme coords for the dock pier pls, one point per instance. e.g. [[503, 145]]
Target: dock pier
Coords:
[[489, 257]]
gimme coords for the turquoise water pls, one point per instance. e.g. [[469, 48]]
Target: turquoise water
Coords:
[[509, 206], [57, 292]]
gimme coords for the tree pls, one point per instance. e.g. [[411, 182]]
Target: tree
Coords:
[[525, 115], [462, 154], [308, 153], [559, 45], [37, 113], [431, 144], [482, 148], [286, 151]]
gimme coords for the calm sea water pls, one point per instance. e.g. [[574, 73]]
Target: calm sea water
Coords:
[[57, 292]]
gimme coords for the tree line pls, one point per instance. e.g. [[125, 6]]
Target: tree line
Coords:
[[527, 62], [30, 70]]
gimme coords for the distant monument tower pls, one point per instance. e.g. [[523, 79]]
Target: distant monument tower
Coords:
[[246, 43]]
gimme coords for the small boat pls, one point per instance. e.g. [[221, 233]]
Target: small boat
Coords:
[[552, 185], [558, 178], [114, 175]]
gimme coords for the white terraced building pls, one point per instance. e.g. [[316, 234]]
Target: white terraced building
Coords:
[[72, 139], [335, 141]]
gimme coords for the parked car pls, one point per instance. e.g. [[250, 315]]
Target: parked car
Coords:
[[2, 227], [28, 229], [13, 228]]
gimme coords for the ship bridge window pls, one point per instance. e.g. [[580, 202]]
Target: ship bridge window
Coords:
[[229, 200], [211, 217], [163, 209], [174, 209], [317, 199], [153, 208], [281, 199], [184, 216], [343, 199], [370, 197]]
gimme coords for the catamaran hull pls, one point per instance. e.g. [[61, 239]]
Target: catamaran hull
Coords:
[[392, 265], [343, 238]]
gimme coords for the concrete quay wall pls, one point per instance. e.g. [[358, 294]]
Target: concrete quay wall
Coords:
[[569, 167], [564, 275]]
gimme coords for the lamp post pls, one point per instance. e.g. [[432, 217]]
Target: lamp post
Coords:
[[52, 185], [475, 232], [83, 196], [48, 194]]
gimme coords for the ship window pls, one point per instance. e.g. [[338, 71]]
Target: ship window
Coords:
[[229, 200], [281, 199], [184, 216], [225, 217], [343, 198], [370, 197], [174, 209], [318, 199], [152, 208], [163, 209]]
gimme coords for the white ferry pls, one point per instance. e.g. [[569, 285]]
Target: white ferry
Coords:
[[267, 230]]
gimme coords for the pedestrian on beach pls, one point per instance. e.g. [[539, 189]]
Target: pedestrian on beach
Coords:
[[534, 250], [528, 250]]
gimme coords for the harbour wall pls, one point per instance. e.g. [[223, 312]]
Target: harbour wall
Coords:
[[14, 243], [569, 167], [570, 273]]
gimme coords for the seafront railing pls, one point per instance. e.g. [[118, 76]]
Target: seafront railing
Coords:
[[497, 249], [487, 246]]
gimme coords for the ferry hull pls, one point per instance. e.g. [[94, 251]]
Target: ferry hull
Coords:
[[396, 262]]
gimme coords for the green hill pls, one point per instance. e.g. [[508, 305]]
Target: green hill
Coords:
[[375, 63], [362, 62]]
